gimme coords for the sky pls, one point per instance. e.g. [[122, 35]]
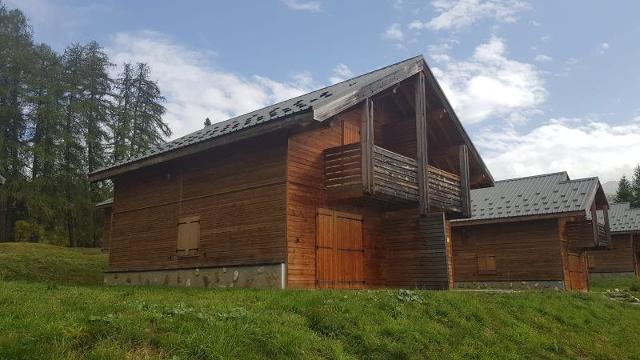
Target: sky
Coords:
[[540, 86]]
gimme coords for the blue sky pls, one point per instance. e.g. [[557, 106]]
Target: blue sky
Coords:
[[541, 86]]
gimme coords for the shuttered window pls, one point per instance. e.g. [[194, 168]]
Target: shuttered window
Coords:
[[487, 264], [188, 236]]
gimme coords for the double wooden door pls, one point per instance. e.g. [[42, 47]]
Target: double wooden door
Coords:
[[339, 250]]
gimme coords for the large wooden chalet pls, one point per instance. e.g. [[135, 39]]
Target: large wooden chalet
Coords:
[[349, 186], [623, 258], [531, 232]]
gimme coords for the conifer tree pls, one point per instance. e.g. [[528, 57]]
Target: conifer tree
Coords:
[[624, 193], [635, 187]]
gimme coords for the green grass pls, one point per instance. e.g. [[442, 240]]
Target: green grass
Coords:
[[626, 283], [52, 321], [49, 263]]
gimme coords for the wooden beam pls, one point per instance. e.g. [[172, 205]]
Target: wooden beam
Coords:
[[594, 223], [421, 135], [464, 181], [366, 143], [607, 230]]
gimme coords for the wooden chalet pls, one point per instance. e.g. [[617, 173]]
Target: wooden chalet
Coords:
[[623, 257], [530, 232], [349, 186]]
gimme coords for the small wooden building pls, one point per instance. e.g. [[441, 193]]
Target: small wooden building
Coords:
[[623, 258], [530, 232], [349, 186], [104, 210]]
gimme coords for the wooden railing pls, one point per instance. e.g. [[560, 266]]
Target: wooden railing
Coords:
[[602, 235], [343, 166], [445, 191], [395, 178], [394, 175]]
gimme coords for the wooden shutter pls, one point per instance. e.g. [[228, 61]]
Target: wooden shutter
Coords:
[[486, 264], [188, 235]]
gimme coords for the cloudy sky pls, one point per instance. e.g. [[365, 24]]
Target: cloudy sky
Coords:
[[541, 86]]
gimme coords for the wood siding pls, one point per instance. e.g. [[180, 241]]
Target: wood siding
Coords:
[[620, 258], [523, 251], [237, 191]]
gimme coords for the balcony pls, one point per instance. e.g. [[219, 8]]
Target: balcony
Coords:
[[394, 179]]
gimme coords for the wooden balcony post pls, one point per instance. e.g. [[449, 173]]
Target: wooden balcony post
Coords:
[[594, 223], [607, 231], [464, 181], [366, 143], [421, 132]]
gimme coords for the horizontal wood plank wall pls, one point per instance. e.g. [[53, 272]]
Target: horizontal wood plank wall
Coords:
[[413, 251], [106, 229], [238, 191], [524, 251], [617, 259]]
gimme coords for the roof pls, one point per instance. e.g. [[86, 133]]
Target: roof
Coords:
[[322, 104], [546, 194], [622, 218], [105, 204]]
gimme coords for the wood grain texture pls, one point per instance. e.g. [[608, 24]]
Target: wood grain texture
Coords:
[[237, 191], [620, 258]]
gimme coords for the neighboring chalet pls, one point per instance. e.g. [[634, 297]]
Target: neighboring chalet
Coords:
[[624, 256], [530, 232], [349, 186], [105, 211]]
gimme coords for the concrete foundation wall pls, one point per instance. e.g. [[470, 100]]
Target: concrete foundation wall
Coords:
[[262, 276], [511, 285]]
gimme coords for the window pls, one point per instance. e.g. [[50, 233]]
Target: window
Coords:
[[188, 236], [486, 264]]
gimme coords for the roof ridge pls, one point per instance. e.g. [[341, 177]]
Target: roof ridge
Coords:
[[534, 176], [581, 179]]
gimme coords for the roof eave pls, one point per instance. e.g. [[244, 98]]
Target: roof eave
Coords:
[[470, 222]]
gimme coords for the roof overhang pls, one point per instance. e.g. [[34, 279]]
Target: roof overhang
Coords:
[[298, 119], [471, 222]]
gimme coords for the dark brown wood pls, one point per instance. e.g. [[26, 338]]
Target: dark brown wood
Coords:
[[594, 224], [465, 182], [618, 259], [421, 151], [366, 145], [607, 228]]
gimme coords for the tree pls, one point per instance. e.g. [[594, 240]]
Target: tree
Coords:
[[635, 187], [207, 122], [123, 114], [624, 193]]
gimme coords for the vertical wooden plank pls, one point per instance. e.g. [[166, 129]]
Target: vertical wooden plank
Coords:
[[421, 151], [594, 223], [464, 181], [605, 213], [635, 245], [366, 143]]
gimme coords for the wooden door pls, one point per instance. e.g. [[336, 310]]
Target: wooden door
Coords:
[[339, 250], [577, 272]]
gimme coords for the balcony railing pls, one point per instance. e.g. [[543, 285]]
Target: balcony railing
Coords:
[[395, 178]]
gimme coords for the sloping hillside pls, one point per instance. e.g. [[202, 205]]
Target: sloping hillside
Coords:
[[48, 263], [52, 321]]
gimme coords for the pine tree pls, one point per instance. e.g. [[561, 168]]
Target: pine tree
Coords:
[[207, 122], [122, 112], [148, 129], [15, 66], [635, 187], [624, 193]]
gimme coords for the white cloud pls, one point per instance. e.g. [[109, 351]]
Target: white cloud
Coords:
[[491, 85], [398, 5], [394, 32], [603, 47], [543, 58], [299, 5], [458, 14], [340, 73], [194, 87], [581, 147]]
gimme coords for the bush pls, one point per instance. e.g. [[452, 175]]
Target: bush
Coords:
[[28, 232]]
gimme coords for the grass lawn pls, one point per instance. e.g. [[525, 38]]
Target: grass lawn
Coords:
[[48, 320]]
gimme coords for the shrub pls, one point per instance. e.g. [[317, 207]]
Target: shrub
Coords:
[[28, 232]]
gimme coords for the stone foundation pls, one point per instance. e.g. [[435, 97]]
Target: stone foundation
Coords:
[[611, 275], [262, 276], [510, 285]]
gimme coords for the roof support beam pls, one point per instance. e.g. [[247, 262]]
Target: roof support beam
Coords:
[[366, 143], [464, 181], [421, 137]]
